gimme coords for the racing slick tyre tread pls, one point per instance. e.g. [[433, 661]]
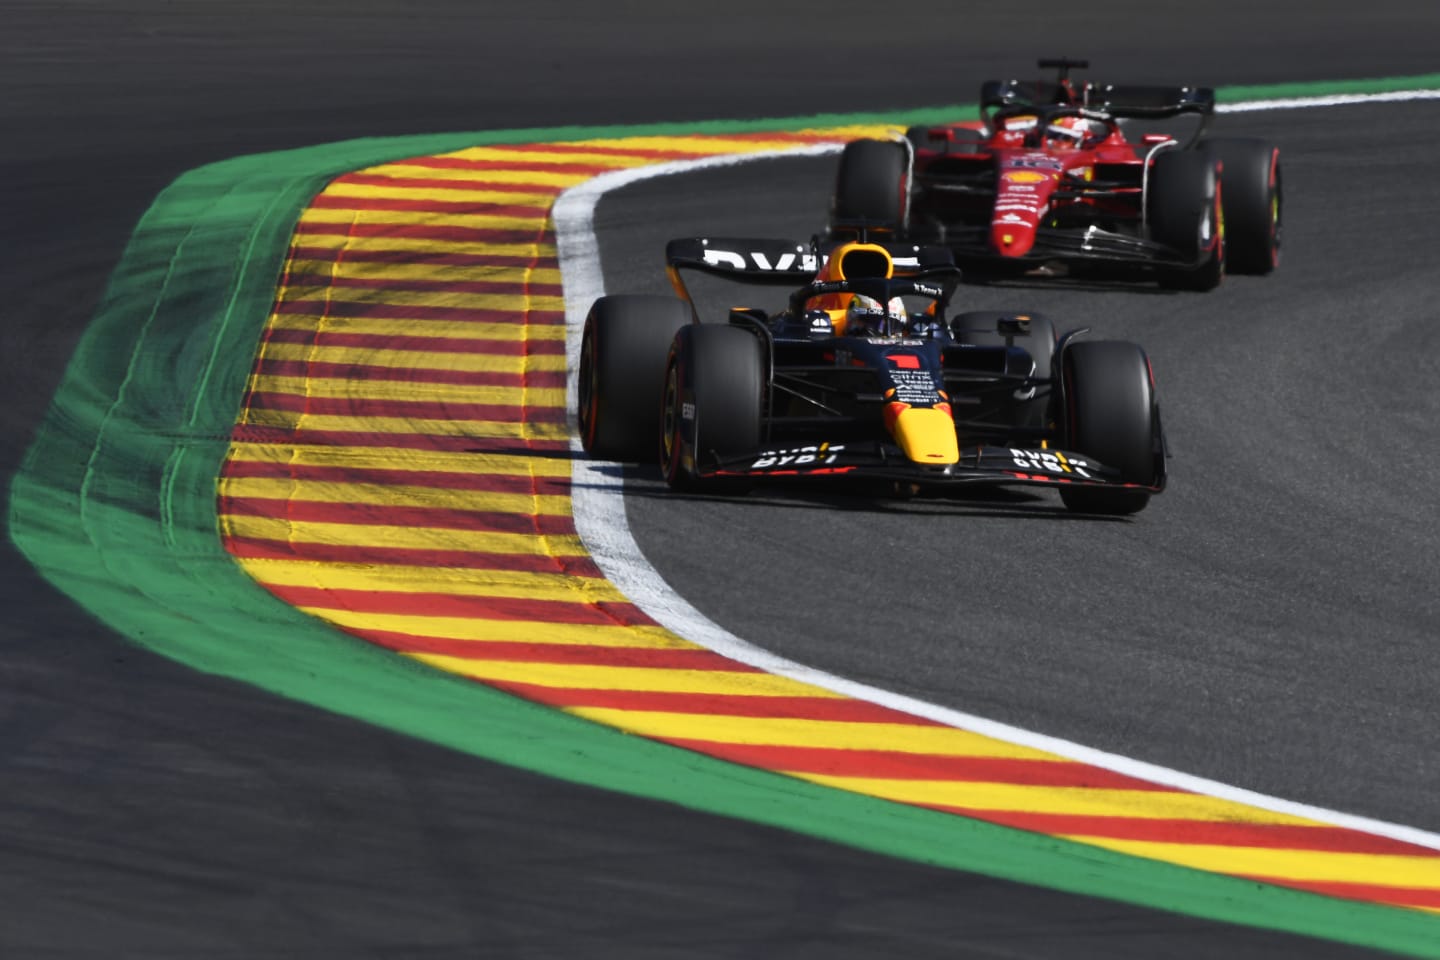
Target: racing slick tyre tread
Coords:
[[622, 368], [1110, 415], [1250, 180], [872, 184], [1184, 211], [978, 328], [721, 370]]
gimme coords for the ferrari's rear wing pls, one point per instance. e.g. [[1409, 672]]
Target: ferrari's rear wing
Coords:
[[1137, 101]]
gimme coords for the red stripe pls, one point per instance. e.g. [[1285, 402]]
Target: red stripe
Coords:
[[542, 234], [518, 288], [392, 311], [551, 379], [387, 515], [1370, 892], [404, 409], [258, 433], [435, 183], [331, 202], [439, 479], [718, 704], [581, 149], [575, 654], [370, 254], [1218, 833], [519, 164], [384, 341], [254, 548], [893, 765], [605, 614]]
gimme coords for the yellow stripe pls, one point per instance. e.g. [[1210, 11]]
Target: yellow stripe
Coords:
[[337, 387], [385, 495], [392, 297], [510, 584], [457, 195], [413, 359], [1312, 865], [646, 679], [409, 538], [512, 330], [540, 158], [380, 270], [368, 458], [696, 146], [506, 631], [469, 221], [893, 737], [1072, 801], [539, 178], [331, 241], [478, 429]]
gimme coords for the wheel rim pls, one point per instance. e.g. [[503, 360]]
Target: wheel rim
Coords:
[[670, 422], [587, 390]]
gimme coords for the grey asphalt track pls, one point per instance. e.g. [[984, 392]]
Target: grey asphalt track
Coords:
[[146, 811], [1268, 622]]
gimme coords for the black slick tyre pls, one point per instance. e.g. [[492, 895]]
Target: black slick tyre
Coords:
[[622, 370], [1111, 417], [1183, 211], [872, 185], [979, 328], [1251, 191], [713, 402]]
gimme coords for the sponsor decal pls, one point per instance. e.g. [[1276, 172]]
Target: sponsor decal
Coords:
[[1035, 161], [1010, 218], [1025, 176], [759, 261], [825, 454], [915, 387], [687, 411], [1050, 461]]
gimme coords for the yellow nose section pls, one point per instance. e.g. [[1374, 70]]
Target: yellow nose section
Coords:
[[927, 435]]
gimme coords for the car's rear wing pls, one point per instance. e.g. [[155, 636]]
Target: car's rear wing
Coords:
[[783, 262], [1119, 100]]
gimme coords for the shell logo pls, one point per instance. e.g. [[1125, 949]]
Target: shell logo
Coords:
[[1026, 176]]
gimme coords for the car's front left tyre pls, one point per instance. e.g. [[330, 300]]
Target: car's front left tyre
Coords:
[[713, 404]]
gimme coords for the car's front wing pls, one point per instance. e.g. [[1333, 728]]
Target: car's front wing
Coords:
[[883, 461]]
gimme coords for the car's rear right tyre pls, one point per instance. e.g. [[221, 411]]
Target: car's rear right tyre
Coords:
[[872, 185], [1111, 416], [1183, 211], [713, 404], [622, 367], [1250, 181]]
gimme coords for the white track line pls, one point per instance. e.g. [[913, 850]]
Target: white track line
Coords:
[[599, 508]]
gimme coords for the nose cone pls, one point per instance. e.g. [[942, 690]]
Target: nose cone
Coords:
[[1021, 198], [926, 434], [1012, 239]]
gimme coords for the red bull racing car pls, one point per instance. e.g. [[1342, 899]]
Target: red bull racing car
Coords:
[[1056, 175], [863, 374]]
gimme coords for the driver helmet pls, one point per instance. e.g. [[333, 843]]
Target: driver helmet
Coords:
[[1072, 131], [867, 316]]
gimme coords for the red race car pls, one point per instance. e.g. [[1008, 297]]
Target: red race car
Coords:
[[1063, 176]]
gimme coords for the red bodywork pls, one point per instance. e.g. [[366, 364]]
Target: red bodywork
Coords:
[[996, 193]]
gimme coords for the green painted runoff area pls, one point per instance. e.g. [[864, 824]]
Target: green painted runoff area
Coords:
[[115, 505]]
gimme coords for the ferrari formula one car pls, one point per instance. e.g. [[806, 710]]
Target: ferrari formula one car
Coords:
[[863, 375], [1050, 176]]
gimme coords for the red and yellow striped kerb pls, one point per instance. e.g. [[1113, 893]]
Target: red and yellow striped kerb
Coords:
[[401, 469]]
